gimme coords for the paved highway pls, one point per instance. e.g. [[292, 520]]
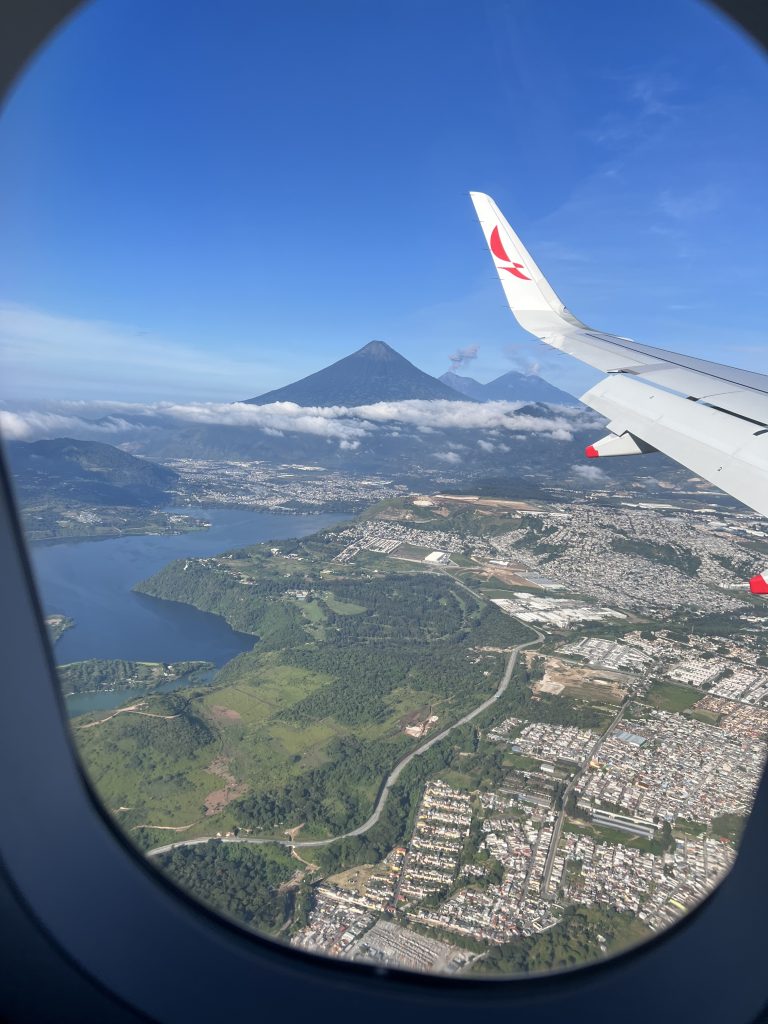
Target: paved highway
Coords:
[[561, 816], [391, 779]]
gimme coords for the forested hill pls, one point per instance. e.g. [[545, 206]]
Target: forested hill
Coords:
[[88, 472]]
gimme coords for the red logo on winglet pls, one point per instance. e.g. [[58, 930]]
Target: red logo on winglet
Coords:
[[497, 248], [500, 253], [515, 269]]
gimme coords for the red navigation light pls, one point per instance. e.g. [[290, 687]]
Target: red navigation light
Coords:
[[591, 452], [758, 585]]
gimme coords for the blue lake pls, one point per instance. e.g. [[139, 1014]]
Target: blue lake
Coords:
[[91, 581]]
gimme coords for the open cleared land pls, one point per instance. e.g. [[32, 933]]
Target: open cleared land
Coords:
[[500, 837]]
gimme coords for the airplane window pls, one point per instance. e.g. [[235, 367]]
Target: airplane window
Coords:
[[356, 645]]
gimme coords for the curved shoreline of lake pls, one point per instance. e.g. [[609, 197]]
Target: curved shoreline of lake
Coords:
[[91, 582]]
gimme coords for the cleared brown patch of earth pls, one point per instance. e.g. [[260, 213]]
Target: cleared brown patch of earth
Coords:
[[219, 798], [561, 677], [495, 503], [222, 714], [354, 879]]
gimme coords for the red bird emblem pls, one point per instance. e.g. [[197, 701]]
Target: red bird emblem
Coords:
[[499, 252]]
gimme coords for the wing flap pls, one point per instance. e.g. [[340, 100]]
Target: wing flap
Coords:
[[719, 434], [726, 450]]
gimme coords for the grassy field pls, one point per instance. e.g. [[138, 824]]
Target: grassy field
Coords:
[[244, 728], [708, 717], [342, 607], [609, 835], [151, 770], [669, 697], [521, 762]]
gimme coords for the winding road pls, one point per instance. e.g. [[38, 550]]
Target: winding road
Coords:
[[390, 780]]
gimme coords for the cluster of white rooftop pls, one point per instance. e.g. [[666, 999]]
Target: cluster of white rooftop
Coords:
[[261, 485], [724, 666], [387, 944], [608, 654], [550, 742], [553, 611], [384, 535], [582, 551], [684, 769], [657, 888], [442, 826], [737, 719], [498, 913]]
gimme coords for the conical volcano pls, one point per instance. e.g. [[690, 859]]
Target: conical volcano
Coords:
[[375, 373]]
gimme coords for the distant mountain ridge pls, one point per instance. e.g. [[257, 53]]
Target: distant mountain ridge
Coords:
[[88, 472], [510, 387], [375, 373]]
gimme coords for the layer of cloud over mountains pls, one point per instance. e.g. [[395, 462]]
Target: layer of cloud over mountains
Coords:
[[371, 411]]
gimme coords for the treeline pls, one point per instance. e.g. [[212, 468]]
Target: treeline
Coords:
[[114, 674], [680, 558], [333, 797], [248, 609], [495, 629], [397, 816], [237, 879], [404, 606], [583, 934], [366, 673]]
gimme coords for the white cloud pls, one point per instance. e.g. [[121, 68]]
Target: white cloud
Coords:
[[486, 446], [347, 425], [592, 474], [451, 457], [22, 426]]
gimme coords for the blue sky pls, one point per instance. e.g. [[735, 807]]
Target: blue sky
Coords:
[[200, 201]]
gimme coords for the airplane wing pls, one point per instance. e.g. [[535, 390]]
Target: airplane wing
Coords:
[[711, 418]]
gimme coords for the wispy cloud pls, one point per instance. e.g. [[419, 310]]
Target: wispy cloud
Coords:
[[348, 426], [650, 106], [653, 93], [42, 354], [683, 206]]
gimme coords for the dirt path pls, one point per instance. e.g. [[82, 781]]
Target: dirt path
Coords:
[[168, 828], [132, 709], [393, 776]]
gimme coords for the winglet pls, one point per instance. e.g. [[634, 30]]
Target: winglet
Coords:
[[527, 290]]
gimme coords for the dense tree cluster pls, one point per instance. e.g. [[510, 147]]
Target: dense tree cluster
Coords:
[[334, 796], [582, 935], [365, 674], [239, 880], [252, 609], [401, 606], [115, 674], [686, 561]]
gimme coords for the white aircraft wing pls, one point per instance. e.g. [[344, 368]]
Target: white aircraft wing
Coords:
[[711, 418]]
